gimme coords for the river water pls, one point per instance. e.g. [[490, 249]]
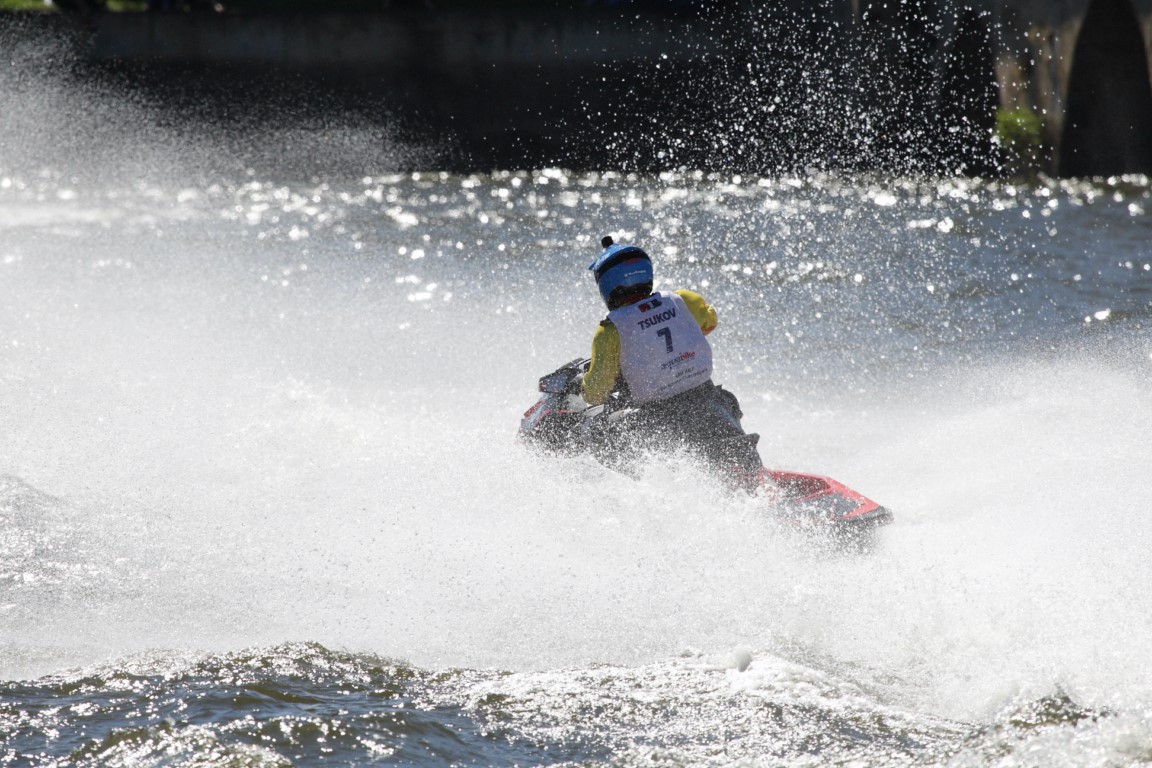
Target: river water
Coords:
[[262, 504]]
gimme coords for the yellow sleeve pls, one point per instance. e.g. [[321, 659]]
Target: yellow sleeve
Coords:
[[605, 366], [704, 312]]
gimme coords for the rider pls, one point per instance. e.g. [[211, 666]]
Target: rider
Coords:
[[652, 349]]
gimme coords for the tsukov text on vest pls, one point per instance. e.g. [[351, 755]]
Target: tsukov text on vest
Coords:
[[663, 352]]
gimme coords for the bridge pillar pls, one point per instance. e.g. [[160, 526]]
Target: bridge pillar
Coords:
[[1084, 68]]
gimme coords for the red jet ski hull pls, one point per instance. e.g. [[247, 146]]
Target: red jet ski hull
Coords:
[[821, 501]]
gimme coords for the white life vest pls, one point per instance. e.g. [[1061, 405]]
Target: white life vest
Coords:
[[663, 352]]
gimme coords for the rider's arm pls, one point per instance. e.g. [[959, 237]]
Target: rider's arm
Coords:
[[605, 366], [704, 313]]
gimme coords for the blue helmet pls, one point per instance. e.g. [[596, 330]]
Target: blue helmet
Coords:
[[623, 273]]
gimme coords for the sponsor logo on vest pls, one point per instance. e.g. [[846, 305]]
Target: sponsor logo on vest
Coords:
[[649, 305], [681, 358], [664, 316]]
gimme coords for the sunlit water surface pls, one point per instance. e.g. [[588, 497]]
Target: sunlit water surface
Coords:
[[261, 502]]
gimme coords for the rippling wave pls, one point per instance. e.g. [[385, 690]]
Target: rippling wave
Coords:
[[301, 704]]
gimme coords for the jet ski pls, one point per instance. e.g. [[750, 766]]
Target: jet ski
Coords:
[[560, 422]]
